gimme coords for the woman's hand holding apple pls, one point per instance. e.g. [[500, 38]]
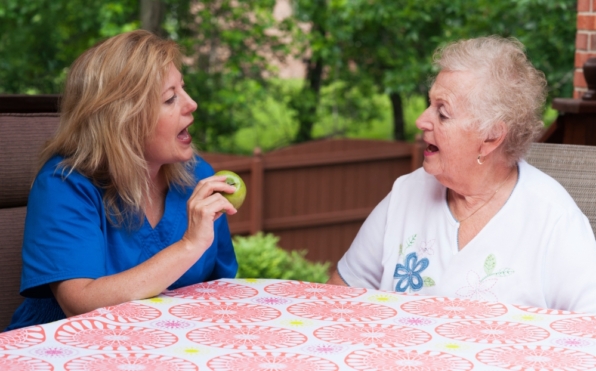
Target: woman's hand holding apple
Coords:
[[204, 206]]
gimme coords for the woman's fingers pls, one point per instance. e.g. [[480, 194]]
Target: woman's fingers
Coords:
[[210, 206], [204, 207], [202, 213], [208, 186]]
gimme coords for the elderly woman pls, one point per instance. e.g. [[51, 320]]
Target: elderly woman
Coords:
[[115, 212], [478, 221]]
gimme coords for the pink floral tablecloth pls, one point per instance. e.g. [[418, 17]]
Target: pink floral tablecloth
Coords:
[[248, 325]]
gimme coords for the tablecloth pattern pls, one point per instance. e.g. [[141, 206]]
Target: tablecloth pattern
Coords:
[[257, 324]]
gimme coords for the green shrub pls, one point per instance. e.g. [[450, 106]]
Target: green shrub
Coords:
[[260, 257]]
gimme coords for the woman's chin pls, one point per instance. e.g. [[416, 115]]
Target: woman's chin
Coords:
[[187, 158], [187, 154], [430, 168], [427, 166]]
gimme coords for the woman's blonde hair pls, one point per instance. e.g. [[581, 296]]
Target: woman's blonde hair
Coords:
[[109, 108], [508, 88]]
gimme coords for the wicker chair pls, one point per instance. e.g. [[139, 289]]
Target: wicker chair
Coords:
[[21, 138], [573, 166]]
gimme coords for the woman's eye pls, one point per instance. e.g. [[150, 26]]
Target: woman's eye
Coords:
[[171, 100], [442, 115]]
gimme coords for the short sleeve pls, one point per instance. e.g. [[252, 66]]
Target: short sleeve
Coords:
[[63, 237], [361, 264], [569, 279]]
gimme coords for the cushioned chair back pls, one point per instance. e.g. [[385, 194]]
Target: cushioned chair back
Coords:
[[21, 138], [573, 166]]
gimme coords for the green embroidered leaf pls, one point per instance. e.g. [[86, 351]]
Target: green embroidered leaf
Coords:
[[410, 241], [504, 272], [489, 264], [401, 249], [428, 282]]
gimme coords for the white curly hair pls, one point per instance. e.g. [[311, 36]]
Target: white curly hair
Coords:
[[508, 88]]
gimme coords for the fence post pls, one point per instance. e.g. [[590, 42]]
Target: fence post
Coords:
[[256, 193]]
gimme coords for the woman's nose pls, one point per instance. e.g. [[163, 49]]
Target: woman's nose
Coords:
[[194, 105], [423, 121], [191, 105]]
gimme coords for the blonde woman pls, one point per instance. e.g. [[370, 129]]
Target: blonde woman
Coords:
[[477, 221], [122, 208]]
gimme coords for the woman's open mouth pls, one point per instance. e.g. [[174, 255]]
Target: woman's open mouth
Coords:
[[432, 148], [184, 136]]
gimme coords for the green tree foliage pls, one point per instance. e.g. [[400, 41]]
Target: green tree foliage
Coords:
[[353, 48], [318, 42], [389, 43], [259, 256], [546, 27], [39, 39], [230, 47]]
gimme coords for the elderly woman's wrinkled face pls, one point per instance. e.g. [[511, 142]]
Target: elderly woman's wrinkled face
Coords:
[[451, 148]]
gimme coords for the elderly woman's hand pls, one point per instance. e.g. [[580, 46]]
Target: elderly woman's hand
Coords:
[[205, 205]]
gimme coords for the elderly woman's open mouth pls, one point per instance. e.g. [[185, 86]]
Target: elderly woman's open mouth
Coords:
[[432, 148]]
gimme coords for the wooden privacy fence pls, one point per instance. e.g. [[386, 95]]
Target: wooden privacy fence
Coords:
[[316, 195]]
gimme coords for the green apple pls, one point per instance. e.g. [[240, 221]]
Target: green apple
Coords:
[[233, 179]]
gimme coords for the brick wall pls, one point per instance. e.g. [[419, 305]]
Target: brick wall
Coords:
[[585, 42]]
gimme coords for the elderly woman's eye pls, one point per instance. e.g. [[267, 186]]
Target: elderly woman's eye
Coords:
[[442, 115]]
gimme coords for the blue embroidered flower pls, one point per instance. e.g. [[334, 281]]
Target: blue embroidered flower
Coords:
[[409, 274]]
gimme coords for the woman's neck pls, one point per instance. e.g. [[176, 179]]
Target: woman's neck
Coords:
[[469, 204], [479, 183], [474, 210], [154, 205]]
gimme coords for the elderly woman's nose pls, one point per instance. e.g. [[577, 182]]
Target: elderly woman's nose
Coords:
[[423, 122]]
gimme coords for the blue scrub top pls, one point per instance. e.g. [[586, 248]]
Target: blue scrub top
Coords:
[[67, 235]]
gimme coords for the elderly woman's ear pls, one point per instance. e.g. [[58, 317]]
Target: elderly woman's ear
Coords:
[[494, 139]]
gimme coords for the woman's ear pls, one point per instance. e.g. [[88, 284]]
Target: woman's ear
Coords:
[[495, 137]]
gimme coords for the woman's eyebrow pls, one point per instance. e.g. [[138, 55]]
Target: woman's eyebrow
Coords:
[[168, 89]]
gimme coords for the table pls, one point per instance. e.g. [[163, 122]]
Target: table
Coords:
[[258, 324]]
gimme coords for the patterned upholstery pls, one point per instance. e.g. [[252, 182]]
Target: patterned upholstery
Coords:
[[573, 166], [21, 138]]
